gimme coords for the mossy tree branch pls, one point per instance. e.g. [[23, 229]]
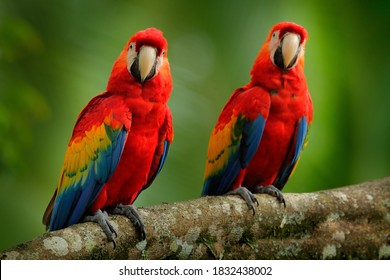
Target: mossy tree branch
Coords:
[[349, 222]]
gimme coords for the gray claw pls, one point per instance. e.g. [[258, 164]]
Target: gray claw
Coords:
[[101, 217], [248, 196], [130, 211], [273, 191]]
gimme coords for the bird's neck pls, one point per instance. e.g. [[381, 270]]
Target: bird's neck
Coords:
[[273, 78]]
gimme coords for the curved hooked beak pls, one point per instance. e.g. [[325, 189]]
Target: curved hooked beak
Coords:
[[287, 53], [290, 48], [144, 66]]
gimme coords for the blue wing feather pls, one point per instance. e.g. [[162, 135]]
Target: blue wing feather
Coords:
[[73, 201], [300, 135], [160, 165], [163, 157], [228, 176], [253, 131], [241, 155]]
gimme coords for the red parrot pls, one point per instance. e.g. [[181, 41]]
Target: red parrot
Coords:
[[120, 141], [263, 128]]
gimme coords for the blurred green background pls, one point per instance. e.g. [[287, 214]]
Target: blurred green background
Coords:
[[56, 55]]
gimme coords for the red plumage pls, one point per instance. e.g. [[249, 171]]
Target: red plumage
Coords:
[[261, 131], [120, 140]]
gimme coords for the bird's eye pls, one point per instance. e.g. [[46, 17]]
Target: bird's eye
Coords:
[[131, 46], [163, 52], [274, 35]]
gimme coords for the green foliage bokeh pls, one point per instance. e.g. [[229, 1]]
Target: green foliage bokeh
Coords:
[[56, 55]]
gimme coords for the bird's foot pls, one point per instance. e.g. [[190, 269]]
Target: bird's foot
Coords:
[[130, 211], [248, 196], [101, 217], [273, 191]]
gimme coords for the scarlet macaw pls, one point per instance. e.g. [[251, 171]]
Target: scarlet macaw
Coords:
[[262, 129], [120, 141]]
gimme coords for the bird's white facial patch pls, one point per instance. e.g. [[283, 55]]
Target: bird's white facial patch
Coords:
[[159, 61], [131, 55], [274, 44]]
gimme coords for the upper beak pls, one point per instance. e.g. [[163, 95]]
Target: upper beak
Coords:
[[144, 66], [290, 48]]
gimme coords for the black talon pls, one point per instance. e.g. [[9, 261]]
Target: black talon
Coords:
[[248, 196], [273, 191], [101, 217], [130, 211]]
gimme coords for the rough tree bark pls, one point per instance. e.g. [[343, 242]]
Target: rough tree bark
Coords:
[[347, 223]]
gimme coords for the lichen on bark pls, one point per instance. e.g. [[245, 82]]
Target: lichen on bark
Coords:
[[352, 222]]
